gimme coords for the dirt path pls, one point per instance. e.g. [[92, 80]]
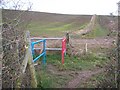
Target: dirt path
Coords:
[[82, 77], [52, 69], [79, 77]]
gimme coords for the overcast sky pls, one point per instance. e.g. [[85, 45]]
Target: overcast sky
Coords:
[[101, 7]]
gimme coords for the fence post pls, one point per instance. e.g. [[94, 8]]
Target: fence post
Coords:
[[44, 56], [86, 48], [32, 47], [62, 52], [68, 45], [67, 42], [31, 65], [27, 62], [67, 38]]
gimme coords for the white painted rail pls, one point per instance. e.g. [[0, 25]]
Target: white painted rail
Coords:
[[37, 38], [49, 49]]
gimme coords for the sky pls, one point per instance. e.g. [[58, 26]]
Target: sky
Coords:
[[99, 7], [90, 7]]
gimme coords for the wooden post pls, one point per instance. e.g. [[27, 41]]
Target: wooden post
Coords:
[[68, 45], [67, 38], [31, 64], [67, 41], [28, 62], [86, 48]]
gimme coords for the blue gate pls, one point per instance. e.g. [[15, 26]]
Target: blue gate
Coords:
[[43, 53]]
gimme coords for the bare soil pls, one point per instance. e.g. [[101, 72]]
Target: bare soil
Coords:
[[82, 77], [78, 77]]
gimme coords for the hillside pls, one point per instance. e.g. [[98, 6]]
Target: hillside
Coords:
[[51, 24], [89, 61], [48, 24]]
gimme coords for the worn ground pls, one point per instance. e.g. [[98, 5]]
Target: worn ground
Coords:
[[79, 77]]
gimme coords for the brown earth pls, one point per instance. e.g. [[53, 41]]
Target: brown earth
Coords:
[[82, 77], [79, 77]]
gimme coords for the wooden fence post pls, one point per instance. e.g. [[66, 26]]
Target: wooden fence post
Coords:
[[68, 45], [28, 62], [86, 48], [67, 41], [67, 38], [31, 64]]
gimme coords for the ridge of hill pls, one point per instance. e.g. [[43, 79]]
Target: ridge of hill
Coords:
[[52, 24]]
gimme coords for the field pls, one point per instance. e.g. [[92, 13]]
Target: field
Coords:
[[81, 69]]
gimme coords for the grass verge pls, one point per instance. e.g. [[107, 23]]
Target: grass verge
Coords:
[[84, 62], [98, 31], [93, 81]]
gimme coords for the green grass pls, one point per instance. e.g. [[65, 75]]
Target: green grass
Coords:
[[98, 31], [45, 79], [99, 81], [86, 62], [48, 80], [52, 29], [52, 81], [93, 81], [83, 26]]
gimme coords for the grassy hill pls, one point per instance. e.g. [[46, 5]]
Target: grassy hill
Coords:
[[52, 24], [55, 25]]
